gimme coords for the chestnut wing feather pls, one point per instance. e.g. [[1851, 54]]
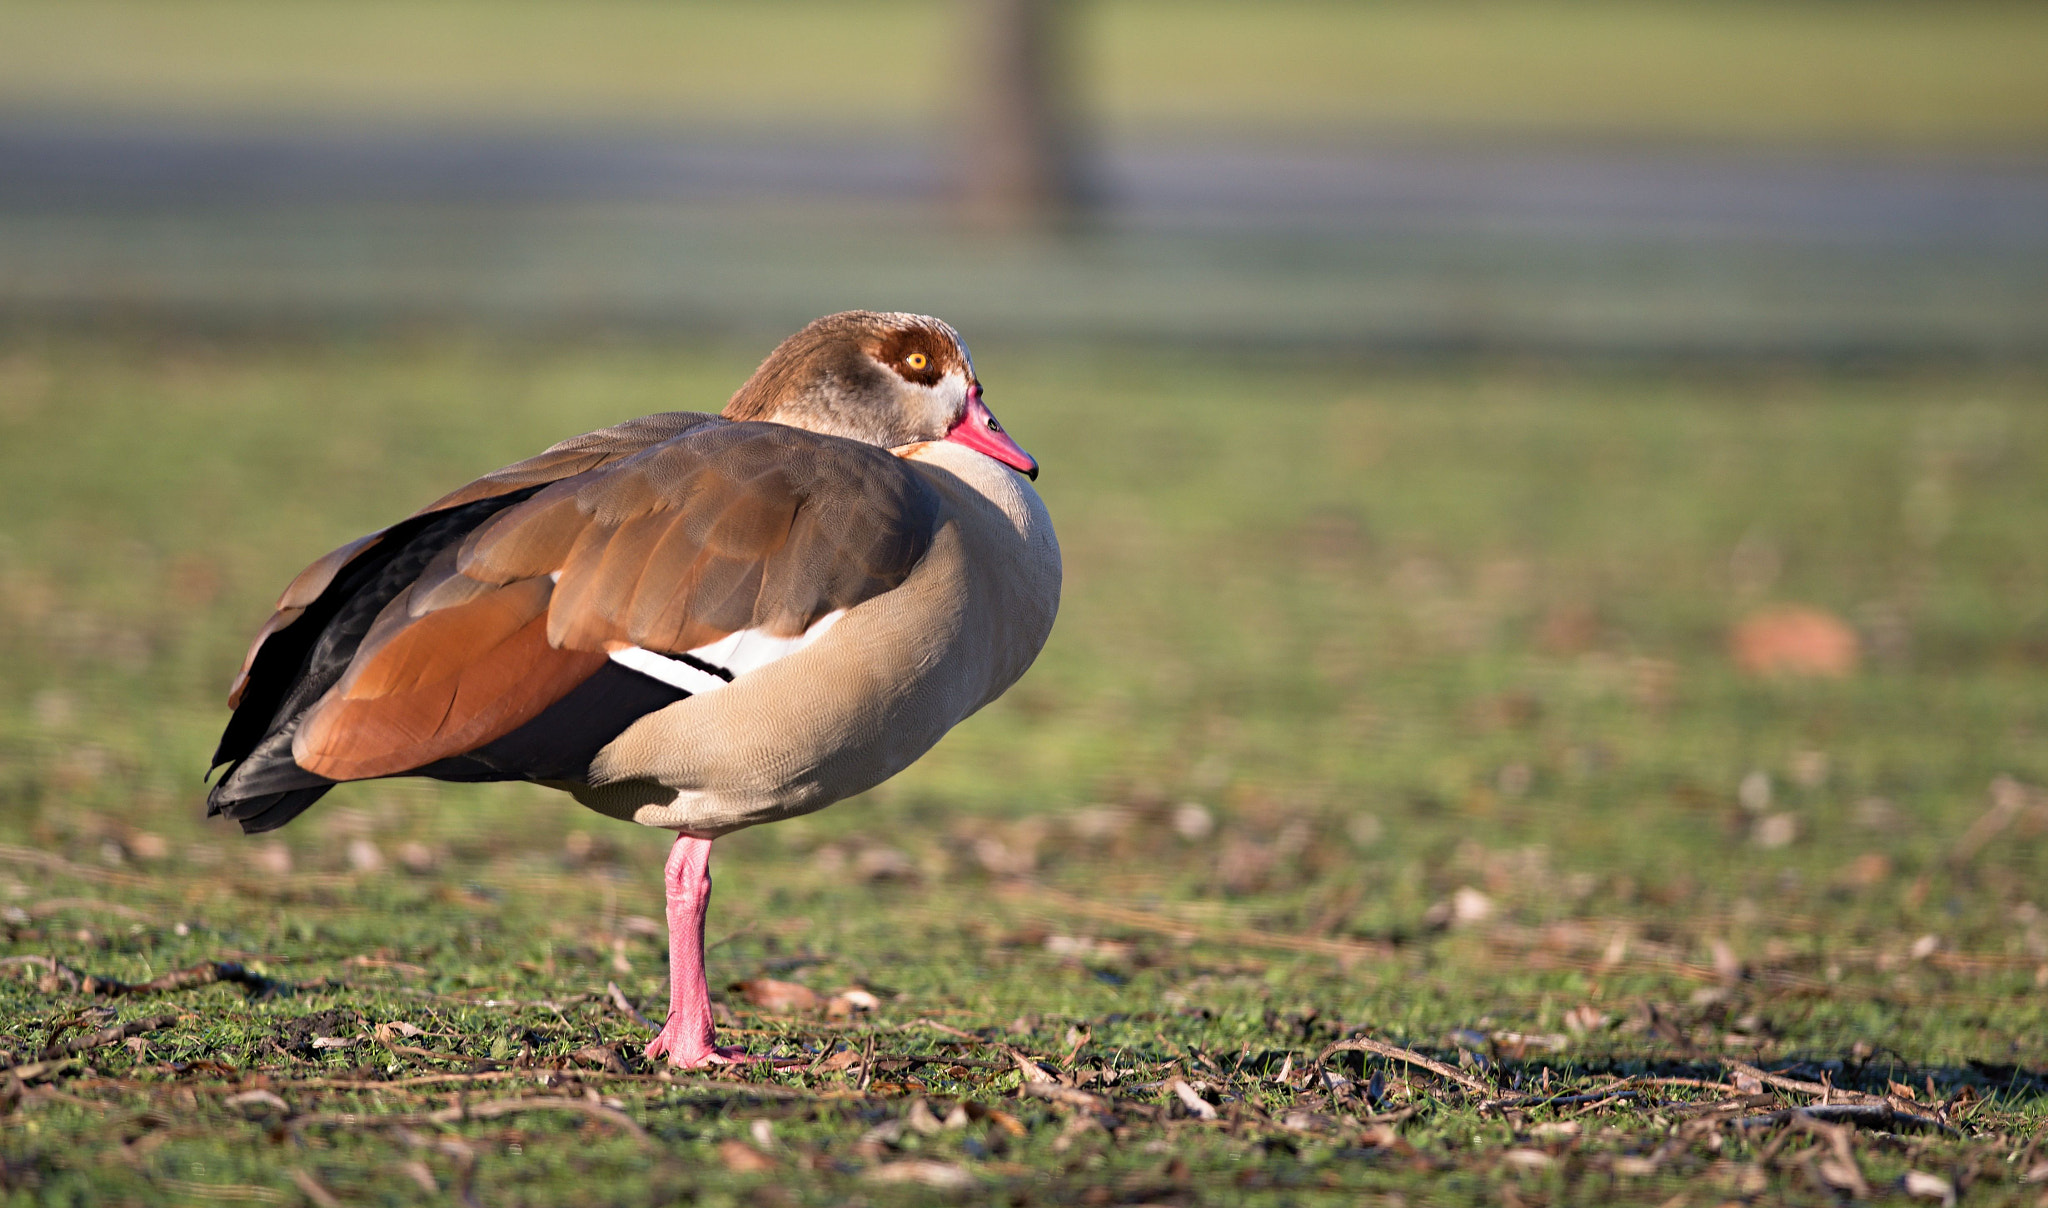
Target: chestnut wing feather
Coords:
[[717, 530], [576, 455]]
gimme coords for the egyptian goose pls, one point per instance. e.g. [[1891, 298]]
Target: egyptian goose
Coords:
[[691, 621]]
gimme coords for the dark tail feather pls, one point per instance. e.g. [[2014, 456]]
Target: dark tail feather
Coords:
[[269, 811]]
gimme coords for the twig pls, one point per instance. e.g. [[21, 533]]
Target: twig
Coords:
[[1869, 1115], [1793, 1084], [59, 905], [205, 974], [2008, 798], [58, 1054], [58, 864], [764, 1090], [1396, 1053], [1030, 1067], [1697, 1083], [1241, 936], [321, 1197], [507, 1107], [1599, 1096], [407, 1050], [113, 1034], [481, 1111], [400, 1084], [1065, 1095], [948, 1029], [618, 997]]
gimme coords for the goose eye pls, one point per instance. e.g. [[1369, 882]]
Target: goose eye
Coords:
[[917, 360]]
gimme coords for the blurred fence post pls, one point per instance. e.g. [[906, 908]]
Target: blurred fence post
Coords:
[[1018, 165]]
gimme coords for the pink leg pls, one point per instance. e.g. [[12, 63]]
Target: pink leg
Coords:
[[686, 1037]]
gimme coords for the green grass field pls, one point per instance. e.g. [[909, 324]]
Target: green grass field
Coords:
[[1889, 73], [1384, 702]]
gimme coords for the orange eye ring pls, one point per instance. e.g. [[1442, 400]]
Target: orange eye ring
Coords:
[[917, 360]]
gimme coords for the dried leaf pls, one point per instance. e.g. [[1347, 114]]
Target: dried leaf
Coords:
[[1583, 1019], [742, 1158], [1065, 1095], [259, 1098], [852, 999], [1196, 1105], [1923, 1186], [841, 1060], [777, 997], [1841, 1174], [1302, 1121], [604, 1057], [945, 1176], [1795, 641]]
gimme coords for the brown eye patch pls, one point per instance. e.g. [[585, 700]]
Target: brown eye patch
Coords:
[[918, 354]]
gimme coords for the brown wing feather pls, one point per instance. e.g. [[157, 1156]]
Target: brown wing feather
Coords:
[[441, 684], [738, 527], [578, 454], [573, 456], [731, 527], [297, 594]]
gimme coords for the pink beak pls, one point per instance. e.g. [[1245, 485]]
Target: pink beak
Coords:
[[979, 431]]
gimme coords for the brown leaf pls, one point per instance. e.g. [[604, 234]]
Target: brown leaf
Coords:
[[1795, 641], [1923, 1186], [1870, 868], [841, 1060], [943, 1175], [603, 1057], [847, 1002], [742, 1158], [778, 997], [1189, 1099], [1003, 1120], [1842, 1175], [1065, 1095], [1306, 1121]]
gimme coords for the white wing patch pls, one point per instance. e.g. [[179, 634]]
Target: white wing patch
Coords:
[[737, 653], [750, 649], [674, 672]]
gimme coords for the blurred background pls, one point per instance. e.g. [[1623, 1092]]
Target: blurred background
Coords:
[[1610, 176], [1596, 429]]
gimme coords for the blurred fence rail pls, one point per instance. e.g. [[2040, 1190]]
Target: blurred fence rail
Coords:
[[1575, 248]]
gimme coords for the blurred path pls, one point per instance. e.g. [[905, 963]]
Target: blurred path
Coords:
[[1624, 249]]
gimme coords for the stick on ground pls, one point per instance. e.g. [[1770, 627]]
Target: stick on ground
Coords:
[[1393, 1052], [58, 975]]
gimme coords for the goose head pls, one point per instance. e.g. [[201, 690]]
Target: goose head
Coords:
[[887, 379]]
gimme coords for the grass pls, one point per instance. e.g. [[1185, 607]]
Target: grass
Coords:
[[1887, 74], [1384, 701]]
